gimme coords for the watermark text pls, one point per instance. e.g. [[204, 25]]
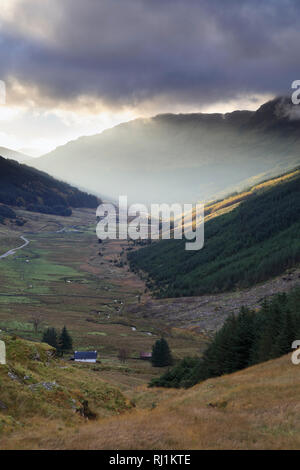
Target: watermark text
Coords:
[[162, 221]]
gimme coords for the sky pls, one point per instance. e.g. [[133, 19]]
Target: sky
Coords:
[[74, 67]]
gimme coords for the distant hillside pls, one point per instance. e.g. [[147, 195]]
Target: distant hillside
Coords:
[[14, 155], [33, 190], [248, 238], [182, 157]]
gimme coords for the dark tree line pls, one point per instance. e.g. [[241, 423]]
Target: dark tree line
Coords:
[[34, 190], [7, 212], [61, 342], [244, 340]]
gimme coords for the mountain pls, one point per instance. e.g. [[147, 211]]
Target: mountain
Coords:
[[182, 157], [14, 155], [33, 190], [249, 238]]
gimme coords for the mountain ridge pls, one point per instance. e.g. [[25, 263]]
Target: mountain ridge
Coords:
[[14, 155], [182, 157]]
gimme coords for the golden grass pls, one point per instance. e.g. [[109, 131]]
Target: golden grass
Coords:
[[215, 209], [257, 408], [25, 399]]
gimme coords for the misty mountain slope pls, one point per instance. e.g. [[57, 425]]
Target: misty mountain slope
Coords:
[[27, 187], [184, 157], [253, 242], [14, 155]]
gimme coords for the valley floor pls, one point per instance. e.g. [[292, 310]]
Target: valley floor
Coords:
[[60, 277]]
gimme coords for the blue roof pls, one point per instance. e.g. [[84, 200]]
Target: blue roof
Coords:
[[85, 355]]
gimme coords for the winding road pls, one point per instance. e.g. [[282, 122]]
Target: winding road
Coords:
[[13, 251]]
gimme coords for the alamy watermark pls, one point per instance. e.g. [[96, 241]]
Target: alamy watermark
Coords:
[[296, 94], [296, 354], [2, 92], [161, 221]]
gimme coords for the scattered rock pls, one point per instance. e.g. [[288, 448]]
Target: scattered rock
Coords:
[[13, 376], [46, 385], [2, 406], [50, 353], [36, 357]]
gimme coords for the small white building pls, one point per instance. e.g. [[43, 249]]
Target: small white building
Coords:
[[85, 356]]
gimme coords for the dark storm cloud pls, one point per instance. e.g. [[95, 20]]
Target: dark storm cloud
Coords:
[[128, 51]]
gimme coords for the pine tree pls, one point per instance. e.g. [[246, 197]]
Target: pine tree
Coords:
[[244, 339], [286, 336], [161, 354], [50, 337], [65, 340], [230, 350]]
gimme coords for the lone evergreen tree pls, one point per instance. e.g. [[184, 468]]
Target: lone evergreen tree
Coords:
[[65, 340], [161, 354], [50, 337]]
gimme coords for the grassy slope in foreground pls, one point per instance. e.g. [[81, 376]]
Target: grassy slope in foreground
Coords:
[[35, 385], [248, 239], [257, 408]]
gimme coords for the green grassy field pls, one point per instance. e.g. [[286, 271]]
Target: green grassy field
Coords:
[[60, 277]]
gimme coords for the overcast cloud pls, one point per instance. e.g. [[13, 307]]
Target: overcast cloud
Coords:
[[101, 55], [128, 51]]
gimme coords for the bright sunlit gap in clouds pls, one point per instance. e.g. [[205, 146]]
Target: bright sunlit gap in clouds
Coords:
[[75, 68], [40, 130]]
